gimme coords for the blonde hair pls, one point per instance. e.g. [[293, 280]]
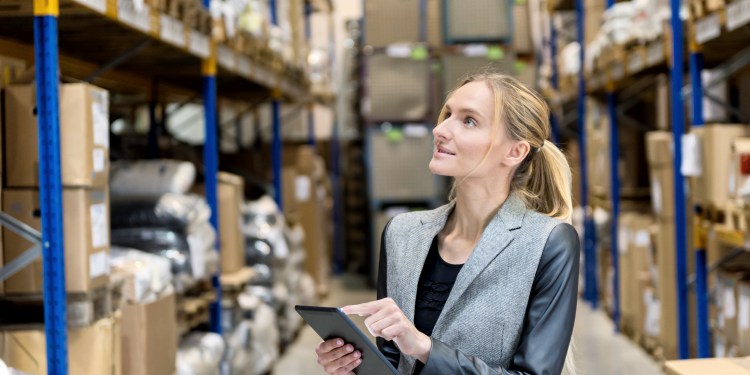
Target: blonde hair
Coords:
[[543, 180]]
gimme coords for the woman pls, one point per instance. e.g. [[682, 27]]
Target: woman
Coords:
[[486, 284]]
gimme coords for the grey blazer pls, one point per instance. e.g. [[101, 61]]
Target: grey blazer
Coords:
[[480, 327]]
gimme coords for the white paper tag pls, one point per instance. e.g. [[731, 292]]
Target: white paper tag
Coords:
[[656, 195], [692, 158], [243, 66], [653, 315], [100, 117], [128, 14], [226, 58], [199, 44], [97, 5], [197, 255], [707, 28], [476, 50], [401, 51], [743, 320], [730, 308], [172, 30], [98, 160], [622, 240], [642, 238], [738, 14], [732, 177], [720, 349], [636, 63], [99, 225], [98, 264], [302, 186]]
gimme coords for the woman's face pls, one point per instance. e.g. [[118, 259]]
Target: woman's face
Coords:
[[465, 135]]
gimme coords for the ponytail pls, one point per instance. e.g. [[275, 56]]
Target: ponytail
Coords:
[[545, 184]]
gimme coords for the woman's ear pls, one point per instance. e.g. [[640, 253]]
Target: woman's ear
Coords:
[[517, 153]]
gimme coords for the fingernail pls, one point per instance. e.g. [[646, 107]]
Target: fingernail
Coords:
[[349, 348], [339, 342], [358, 361], [357, 354]]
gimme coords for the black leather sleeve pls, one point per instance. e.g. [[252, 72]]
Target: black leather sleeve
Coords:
[[548, 325], [388, 348]]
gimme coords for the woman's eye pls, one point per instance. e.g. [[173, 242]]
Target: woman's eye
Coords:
[[447, 114], [470, 122]]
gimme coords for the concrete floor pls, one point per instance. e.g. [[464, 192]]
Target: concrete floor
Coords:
[[598, 350]]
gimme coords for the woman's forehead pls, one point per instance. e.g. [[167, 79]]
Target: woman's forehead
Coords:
[[474, 97]]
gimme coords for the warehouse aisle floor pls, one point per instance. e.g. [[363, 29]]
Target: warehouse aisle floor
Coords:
[[598, 349]]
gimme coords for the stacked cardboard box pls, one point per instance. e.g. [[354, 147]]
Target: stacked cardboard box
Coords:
[[231, 190], [307, 201], [84, 143], [660, 160], [95, 349], [712, 187], [636, 264], [149, 337]]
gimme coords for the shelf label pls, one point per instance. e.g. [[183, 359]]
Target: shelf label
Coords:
[[655, 53], [226, 58], [243, 65], [139, 19], [97, 5], [172, 30], [99, 225], [398, 51], [707, 28], [199, 44], [476, 50], [738, 14], [636, 62]]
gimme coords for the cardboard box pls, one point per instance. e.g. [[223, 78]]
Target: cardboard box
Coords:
[[634, 247], [743, 317], [149, 337], [84, 136], [667, 288], [659, 153], [723, 366], [86, 233], [232, 241], [91, 350], [712, 188]]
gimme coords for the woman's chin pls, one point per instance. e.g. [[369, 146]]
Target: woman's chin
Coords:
[[435, 169]]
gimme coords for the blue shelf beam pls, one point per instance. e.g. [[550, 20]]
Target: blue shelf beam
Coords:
[[276, 151], [211, 170], [591, 292], [614, 157], [50, 185], [678, 129], [555, 82]]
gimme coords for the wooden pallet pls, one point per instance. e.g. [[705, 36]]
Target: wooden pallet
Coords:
[[193, 311], [233, 284], [24, 311]]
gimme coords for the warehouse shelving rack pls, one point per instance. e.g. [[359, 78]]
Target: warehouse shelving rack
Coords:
[[163, 49], [717, 39]]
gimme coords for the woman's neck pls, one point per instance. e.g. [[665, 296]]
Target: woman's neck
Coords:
[[476, 205]]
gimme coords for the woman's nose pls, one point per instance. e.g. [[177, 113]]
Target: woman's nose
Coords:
[[441, 131]]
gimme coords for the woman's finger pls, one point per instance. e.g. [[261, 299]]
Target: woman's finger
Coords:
[[349, 369], [336, 366], [335, 354], [377, 327], [328, 345]]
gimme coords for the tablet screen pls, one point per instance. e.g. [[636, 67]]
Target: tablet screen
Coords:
[[331, 322]]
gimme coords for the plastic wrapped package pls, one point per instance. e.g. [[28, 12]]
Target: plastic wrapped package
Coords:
[[263, 219], [150, 178], [263, 275], [203, 258], [200, 354], [264, 332], [147, 276], [163, 242], [175, 211], [240, 351]]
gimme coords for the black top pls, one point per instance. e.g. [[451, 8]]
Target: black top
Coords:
[[435, 284], [546, 329]]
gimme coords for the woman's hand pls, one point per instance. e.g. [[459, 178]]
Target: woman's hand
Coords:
[[336, 358], [386, 320]]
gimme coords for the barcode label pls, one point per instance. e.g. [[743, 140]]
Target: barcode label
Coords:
[[707, 28], [172, 30], [199, 44], [139, 19], [738, 14]]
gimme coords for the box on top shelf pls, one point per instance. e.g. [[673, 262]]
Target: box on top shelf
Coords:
[[714, 141], [95, 349], [86, 233], [398, 85], [463, 24], [84, 136], [149, 337], [232, 241], [399, 21]]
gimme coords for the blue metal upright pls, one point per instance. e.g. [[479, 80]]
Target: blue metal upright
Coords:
[[555, 81], [678, 129], [50, 185], [276, 141], [310, 117], [211, 170], [614, 171], [701, 268], [591, 291]]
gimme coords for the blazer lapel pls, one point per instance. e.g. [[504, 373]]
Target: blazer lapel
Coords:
[[418, 246], [494, 240]]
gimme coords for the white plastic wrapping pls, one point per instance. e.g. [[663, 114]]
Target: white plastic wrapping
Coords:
[[147, 275], [150, 178], [200, 354]]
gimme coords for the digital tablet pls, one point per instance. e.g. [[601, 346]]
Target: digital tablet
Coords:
[[331, 323]]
